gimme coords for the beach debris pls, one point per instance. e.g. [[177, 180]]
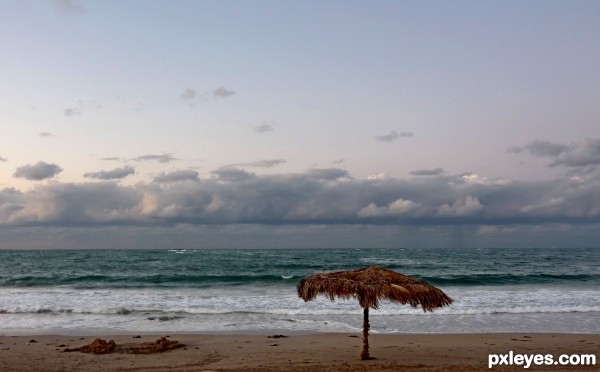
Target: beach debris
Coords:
[[100, 346], [159, 346], [32, 341], [278, 336], [138, 336]]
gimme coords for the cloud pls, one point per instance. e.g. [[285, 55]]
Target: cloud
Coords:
[[69, 6], [37, 172], [579, 154], [395, 208], [544, 207], [339, 161], [177, 176], [229, 174], [80, 106], [3, 159], [474, 178], [114, 158], [540, 148], [330, 174], [223, 93], [72, 111], [264, 128], [164, 158], [267, 163], [427, 172], [114, 174], [393, 136], [378, 176], [583, 172], [67, 204], [189, 94], [466, 206], [46, 134]]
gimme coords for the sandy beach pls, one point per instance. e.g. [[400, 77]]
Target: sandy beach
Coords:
[[315, 352]]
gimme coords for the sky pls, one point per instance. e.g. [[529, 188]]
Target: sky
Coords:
[[293, 124]]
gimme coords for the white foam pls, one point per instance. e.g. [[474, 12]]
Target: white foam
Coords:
[[489, 309]]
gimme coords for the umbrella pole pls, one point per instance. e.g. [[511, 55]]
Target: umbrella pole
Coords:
[[364, 355]]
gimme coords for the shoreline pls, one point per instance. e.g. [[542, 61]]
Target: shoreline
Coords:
[[296, 352], [110, 332]]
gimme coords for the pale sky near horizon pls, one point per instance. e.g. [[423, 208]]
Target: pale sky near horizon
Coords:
[[292, 117]]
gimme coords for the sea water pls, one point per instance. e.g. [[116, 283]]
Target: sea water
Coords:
[[137, 291]]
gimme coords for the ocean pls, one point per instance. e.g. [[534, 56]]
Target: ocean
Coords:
[[254, 291]]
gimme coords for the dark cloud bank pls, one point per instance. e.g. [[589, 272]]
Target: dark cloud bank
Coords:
[[317, 208], [318, 196]]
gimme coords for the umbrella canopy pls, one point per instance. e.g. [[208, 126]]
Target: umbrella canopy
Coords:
[[369, 286], [372, 284]]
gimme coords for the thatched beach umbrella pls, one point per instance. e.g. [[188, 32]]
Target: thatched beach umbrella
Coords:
[[369, 286]]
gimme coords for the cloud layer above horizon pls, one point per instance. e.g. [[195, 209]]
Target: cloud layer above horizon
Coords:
[[317, 196]]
